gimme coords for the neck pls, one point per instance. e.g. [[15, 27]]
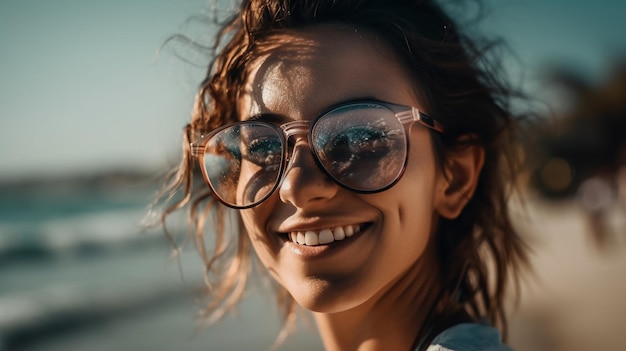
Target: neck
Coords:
[[390, 320]]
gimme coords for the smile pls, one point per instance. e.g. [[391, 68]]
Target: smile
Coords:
[[324, 236]]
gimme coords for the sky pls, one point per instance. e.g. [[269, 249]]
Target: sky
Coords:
[[84, 86]]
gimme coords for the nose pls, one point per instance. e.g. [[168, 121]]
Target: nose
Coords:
[[304, 183]]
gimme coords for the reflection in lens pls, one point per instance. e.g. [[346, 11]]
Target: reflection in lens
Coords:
[[363, 147], [243, 162], [262, 160], [222, 161]]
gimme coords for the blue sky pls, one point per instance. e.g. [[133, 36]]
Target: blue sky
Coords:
[[82, 87]]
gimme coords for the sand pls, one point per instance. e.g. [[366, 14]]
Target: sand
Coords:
[[576, 299]]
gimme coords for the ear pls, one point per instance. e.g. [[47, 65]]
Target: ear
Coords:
[[457, 182]]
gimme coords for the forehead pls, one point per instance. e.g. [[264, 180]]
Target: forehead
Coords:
[[300, 73]]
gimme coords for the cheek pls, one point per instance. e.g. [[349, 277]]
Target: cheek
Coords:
[[408, 214], [414, 196], [254, 221], [253, 224]]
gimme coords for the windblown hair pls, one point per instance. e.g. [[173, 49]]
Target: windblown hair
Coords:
[[480, 251]]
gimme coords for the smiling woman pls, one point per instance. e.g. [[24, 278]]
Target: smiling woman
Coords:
[[362, 146]]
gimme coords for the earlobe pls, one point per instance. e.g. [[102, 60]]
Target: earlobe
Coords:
[[459, 179]]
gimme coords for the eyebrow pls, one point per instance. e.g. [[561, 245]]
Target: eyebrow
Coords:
[[268, 117], [278, 119], [354, 100]]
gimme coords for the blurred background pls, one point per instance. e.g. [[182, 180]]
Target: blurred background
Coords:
[[92, 105]]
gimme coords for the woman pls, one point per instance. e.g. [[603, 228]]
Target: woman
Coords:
[[361, 144]]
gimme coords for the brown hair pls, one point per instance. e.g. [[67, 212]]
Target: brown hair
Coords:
[[479, 251]]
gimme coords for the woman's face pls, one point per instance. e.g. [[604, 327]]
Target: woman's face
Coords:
[[297, 76]]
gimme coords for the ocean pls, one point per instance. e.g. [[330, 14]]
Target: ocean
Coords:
[[78, 272]]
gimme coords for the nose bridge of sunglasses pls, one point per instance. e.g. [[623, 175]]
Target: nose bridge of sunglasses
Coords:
[[294, 128]]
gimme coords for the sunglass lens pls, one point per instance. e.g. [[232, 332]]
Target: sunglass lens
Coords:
[[363, 147], [243, 163]]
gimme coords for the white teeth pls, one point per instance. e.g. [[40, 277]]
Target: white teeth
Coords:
[[349, 231], [324, 236], [339, 233], [311, 238]]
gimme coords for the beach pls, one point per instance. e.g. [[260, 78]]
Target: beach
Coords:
[[79, 273], [575, 299]]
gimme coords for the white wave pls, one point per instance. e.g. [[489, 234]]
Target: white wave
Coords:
[[46, 305], [97, 229]]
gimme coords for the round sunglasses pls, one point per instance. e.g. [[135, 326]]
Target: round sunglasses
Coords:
[[362, 146]]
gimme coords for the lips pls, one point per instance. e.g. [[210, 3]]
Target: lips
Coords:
[[324, 236]]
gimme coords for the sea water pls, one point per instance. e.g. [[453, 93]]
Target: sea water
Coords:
[[78, 272]]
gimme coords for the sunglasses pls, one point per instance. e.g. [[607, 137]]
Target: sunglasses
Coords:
[[362, 146]]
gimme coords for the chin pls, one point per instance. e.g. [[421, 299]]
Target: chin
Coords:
[[328, 295]]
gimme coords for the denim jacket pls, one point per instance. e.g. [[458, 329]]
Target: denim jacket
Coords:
[[469, 337]]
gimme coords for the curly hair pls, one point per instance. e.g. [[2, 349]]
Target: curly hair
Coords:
[[479, 251]]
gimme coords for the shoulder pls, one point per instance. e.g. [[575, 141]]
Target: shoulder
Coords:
[[469, 337]]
